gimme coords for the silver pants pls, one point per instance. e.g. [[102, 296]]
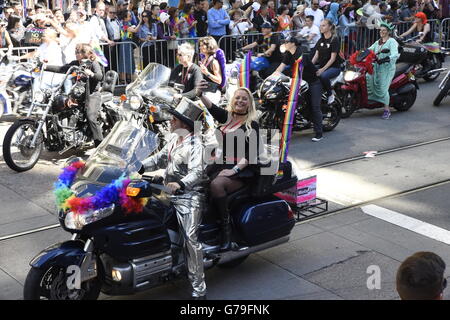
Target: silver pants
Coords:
[[189, 209]]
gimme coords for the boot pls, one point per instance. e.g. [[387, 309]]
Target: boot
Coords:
[[226, 224]]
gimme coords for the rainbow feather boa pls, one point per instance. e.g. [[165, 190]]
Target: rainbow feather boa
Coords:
[[113, 193]]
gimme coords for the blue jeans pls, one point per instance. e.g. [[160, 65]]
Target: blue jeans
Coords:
[[326, 76]]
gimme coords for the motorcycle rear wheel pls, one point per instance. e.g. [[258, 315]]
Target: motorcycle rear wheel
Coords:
[[407, 102], [25, 130], [442, 94], [50, 284]]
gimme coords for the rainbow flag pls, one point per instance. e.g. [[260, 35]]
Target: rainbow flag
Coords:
[[244, 71], [297, 71], [99, 53]]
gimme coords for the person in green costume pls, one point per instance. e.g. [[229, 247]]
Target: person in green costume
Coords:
[[383, 72]]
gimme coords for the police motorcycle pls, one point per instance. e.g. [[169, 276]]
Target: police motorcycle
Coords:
[[273, 94], [62, 125], [121, 253], [147, 99]]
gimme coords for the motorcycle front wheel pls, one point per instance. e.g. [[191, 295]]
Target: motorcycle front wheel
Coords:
[[51, 284], [442, 94], [17, 152]]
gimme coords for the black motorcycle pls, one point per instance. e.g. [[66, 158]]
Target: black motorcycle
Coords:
[[274, 93], [62, 125], [430, 54], [444, 86], [121, 254]]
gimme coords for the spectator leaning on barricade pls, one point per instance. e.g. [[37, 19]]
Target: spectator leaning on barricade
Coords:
[[310, 32], [148, 32], [97, 25], [5, 39], [188, 22], [16, 30], [428, 7], [284, 21], [126, 58], [316, 12], [201, 16], [421, 277], [218, 20], [113, 28], [299, 18], [261, 18], [170, 45], [407, 13], [393, 12], [347, 28]]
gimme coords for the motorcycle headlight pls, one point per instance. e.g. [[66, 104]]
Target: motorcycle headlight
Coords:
[[76, 221], [39, 96], [135, 102], [351, 75]]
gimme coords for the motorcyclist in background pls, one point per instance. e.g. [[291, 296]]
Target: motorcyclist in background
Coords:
[[84, 53]]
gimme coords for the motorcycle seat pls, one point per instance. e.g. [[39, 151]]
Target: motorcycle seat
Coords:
[[109, 81], [401, 67]]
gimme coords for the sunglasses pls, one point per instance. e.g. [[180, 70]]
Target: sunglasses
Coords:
[[145, 16], [80, 52]]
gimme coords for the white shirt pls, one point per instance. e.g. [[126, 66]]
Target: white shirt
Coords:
[[240, 28], [116, 28], [307, 31], [98, 28], [51, 52], [318, 15]]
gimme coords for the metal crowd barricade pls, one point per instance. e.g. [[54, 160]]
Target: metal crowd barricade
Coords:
[[124, 58], [164, 51], [232, 43], [445, 33]]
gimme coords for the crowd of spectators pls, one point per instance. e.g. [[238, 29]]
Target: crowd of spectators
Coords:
[[170, 21]]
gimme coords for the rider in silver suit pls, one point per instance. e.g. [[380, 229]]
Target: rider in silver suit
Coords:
[[183, 159]]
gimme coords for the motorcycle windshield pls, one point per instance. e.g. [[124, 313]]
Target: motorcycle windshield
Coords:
[[120, 153], [153, 77]]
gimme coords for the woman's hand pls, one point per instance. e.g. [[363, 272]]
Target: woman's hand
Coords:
[[319, 72], [227, 173], [204, 69], [201, 87]]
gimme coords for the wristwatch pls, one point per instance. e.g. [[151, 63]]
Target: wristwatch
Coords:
[[236, 169]]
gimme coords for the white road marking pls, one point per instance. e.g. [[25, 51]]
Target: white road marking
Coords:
[[415, 225]]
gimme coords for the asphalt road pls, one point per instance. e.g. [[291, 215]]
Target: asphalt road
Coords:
[[326, 258]]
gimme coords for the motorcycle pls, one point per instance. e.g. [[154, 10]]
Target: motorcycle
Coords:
[[403, 88], [121, 253], [444, 86], [148, 98], [16, 84], [273, 94], [63, 123], [415, 52]]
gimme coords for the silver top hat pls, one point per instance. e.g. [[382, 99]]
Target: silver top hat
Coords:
[[187, 111]]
